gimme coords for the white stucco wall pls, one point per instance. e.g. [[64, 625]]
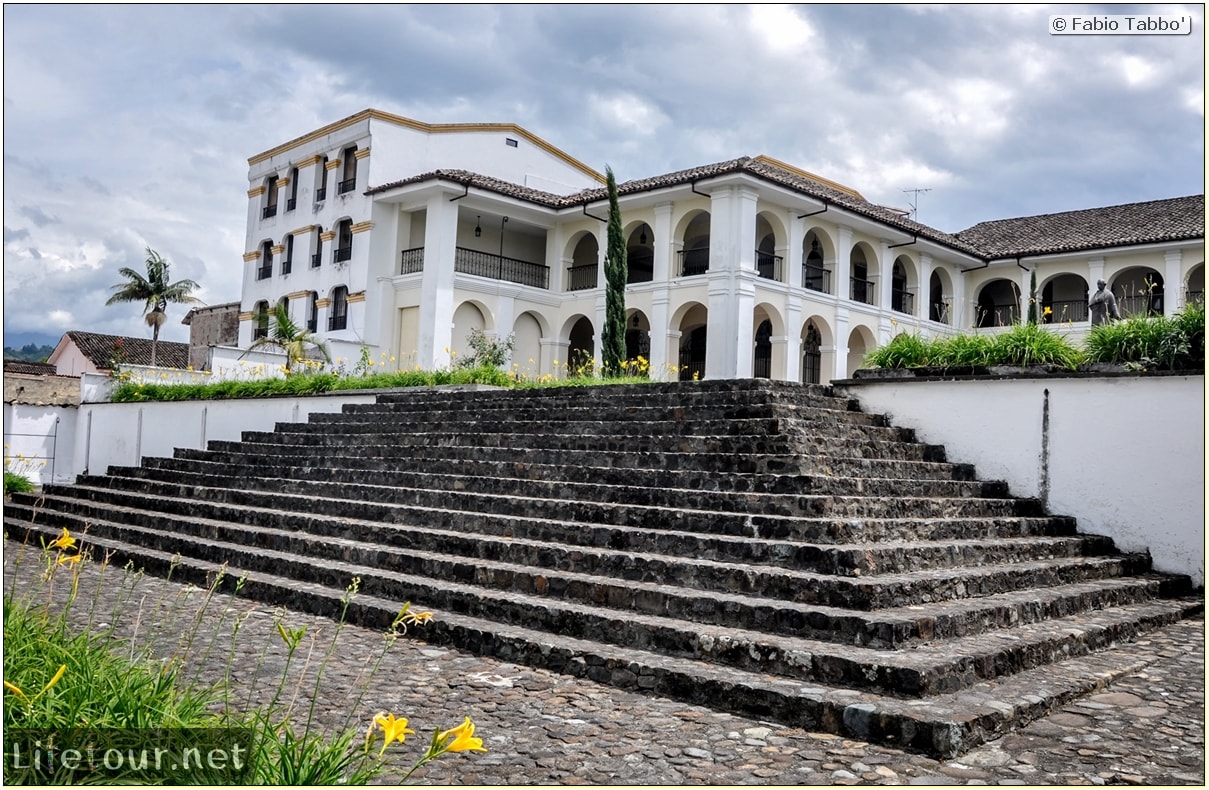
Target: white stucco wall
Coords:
[[1124, 455], [45, 436], [121, 434]]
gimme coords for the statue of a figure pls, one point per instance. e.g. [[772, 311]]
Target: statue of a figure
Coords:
[[1103, 305]]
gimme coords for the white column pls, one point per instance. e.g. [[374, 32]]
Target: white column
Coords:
[[1174, 295], [842, 287], [793, 255], [1026, 277], [552, 349], [793, 334], [659, 333], [663, 243], [436, 288], [885, 284], [841, 343], [923, 291]]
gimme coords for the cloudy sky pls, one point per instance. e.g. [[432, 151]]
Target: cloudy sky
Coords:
[[128, 127]]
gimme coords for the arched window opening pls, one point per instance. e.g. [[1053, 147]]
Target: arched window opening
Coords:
[[861, 289], [264, 269], [998, 304], [901, 300], [815, 276], [260, 320], [940, 307], [348, 160], [1064, 299], [321, 180], [762, 358], [812, 355], [291, 202], [317, 248], [312, 312], [768, 263], [270, 198], [344, 242], [287, 258], [692, 355], [640, 255], [338, 317]]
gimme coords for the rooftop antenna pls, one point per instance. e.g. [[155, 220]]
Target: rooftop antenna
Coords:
[[914, 204]]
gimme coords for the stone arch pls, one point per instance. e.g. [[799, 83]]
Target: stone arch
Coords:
[[904, 284], [1139, 291], [691, 321], [527, 333], [813, 343], [770, 244], [637, 336], [1063, 297], [860, 343], [1194, 285], [940, 297], [468, 316], [693, 233], [818, 259], [998, 304], [583, 261], [581, 345], [863, 262], [640, 252], [768, 357]]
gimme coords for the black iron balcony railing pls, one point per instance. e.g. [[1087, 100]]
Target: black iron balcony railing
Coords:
[[1064, 310], [291, 204], [313, 324], [268, 211], [941, 312], [1194, 297], [1142, 304], [498, 267], [337, 321], [347, 185], [287, 266], [999, 315], [264, 272], [768, 265], [693, 262], [862, 291], [582, 278], [413, 261], [316, 260], [902, 301], [640, 267], [816, 278], [260, 330], [320, 194], [691, 368], [342, 254]]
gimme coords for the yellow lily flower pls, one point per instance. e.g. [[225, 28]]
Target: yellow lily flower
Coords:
[[14, 689], [64, 541], [414, 618], [59, 676], [74, 559], [463, 738], [393, 729]]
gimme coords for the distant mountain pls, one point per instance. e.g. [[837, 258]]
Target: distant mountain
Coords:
[[19, 339], [29, 352]]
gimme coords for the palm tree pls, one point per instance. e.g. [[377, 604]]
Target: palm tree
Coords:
[[154, 291], [290, 338]]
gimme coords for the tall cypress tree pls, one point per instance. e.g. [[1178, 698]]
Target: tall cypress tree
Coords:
[[612, 338], [1032, 297]]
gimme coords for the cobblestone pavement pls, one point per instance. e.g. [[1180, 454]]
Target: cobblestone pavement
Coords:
[[545, 728]]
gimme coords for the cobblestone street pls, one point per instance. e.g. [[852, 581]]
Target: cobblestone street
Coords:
[[1147, 727]]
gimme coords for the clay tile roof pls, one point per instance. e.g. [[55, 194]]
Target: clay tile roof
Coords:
[[29, 368], [1175, 219], [135, 350]]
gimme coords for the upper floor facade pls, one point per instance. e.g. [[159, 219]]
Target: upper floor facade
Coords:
[[405, 237]]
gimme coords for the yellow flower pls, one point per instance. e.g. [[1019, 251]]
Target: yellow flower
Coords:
[[14, 689], [463, 738], [1047, 311], [64, 541], [59, 675], [392, 729], [74, 559], [418, 617]]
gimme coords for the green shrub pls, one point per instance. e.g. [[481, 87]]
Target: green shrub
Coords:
[[16, 484], [1031, 344], [964, 351], [904, 351], [1157, 342]]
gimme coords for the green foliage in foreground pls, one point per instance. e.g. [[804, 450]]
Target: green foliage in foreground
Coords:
[[306, 384], [1143, 342], [16, 483], [1159, 342]]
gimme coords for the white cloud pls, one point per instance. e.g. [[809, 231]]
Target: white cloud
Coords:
[[627, 113], [781, 29]]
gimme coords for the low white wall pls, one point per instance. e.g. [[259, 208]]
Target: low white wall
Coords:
[[39, 442], [122, 434], [1124, 455]]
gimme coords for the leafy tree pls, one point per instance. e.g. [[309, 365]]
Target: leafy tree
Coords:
[[612, 351], [288, 336], [155, 291]]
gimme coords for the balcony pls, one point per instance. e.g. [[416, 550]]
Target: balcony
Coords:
[[316, 260], [1064, 310], [816, 278], [694, 262], [312, 325], [337, 321], [498, 267], [582, 278], [768, 265], [342, 254], [347, 185], [320, 194], [1194, 297], [264, 272], [1143, 304], [268, 211], [261, 330], [862, 290], [291, 204], [902, 301], [287, 266], [640, 267], [413, 261]]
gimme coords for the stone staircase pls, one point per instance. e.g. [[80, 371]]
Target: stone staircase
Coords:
[[759, 547]]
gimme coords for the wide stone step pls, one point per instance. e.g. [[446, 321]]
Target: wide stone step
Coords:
[[681, 516], [854, 592], [469, 471], [344, 482], [924, 670]]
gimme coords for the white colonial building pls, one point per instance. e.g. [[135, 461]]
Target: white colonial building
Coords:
[[403, 236]]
